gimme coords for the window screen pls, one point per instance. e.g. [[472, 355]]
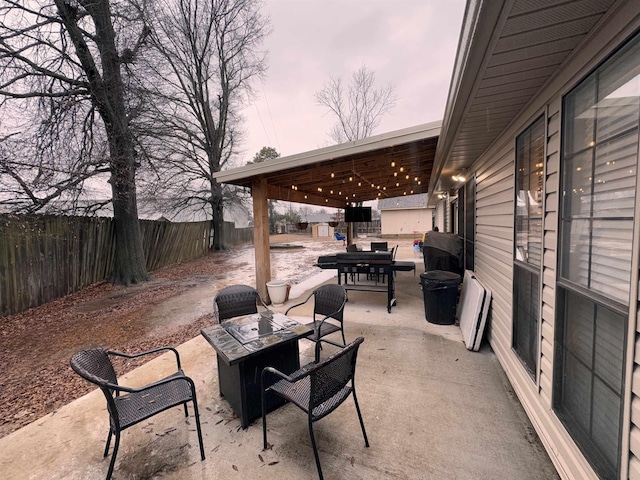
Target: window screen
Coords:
[[528, 243], [598, 168]]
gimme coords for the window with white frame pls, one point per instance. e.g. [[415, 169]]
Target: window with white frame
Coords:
[[598, 187], [527, 261]]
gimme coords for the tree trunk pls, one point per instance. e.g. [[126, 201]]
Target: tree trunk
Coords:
[[107, 90], [218, 216], [130, 264]]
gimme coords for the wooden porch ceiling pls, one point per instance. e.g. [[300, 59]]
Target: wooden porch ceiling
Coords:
[[381, 167]]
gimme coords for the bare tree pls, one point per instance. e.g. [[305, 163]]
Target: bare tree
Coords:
[[210, 54], [63, 58], [358, 108]]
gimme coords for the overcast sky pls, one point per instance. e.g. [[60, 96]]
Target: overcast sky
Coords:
[[409, 43]]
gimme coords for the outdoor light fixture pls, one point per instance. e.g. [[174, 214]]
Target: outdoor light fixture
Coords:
[[395, 174], [393, 164], [333, 174], [402, 169], [459, 178]]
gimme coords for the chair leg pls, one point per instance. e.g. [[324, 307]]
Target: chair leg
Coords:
[[364, 433], [106, 448], [315, 448], [113, 455], [263, 395], [196, 414], [186, 412]]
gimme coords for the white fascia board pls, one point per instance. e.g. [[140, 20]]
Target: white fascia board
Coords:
[[397, 137]]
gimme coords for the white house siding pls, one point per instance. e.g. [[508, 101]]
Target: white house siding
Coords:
[[494, 258], [494, 239], [441, 216], [549, 247], [406, 221], [494, 267]]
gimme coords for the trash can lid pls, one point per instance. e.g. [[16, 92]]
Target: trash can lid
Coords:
[[439, 278]]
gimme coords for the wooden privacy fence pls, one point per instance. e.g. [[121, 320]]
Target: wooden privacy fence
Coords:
[[46, 257], [167, 243], [236, 236]]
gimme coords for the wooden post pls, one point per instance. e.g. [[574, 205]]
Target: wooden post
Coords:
[[261, 236], [349, 233]]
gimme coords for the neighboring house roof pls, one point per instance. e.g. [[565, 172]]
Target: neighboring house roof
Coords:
[[508, 51], [404, 202], [351, 172]]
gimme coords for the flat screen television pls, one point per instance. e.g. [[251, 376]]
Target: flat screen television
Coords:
[[357, 214]]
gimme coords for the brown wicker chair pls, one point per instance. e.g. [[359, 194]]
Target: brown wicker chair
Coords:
[[128, 406], [329, 302], [236, 300], [318, 388]]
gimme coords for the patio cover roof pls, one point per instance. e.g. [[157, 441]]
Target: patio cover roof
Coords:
[[383, 166]]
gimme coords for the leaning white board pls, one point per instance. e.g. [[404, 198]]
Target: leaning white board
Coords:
[[473, 308]]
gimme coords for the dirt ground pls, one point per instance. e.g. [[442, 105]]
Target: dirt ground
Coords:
[[35, 346]]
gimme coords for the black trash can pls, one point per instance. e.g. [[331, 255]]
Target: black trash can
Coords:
[[440, 291]]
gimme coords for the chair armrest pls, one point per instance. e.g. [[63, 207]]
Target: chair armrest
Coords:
[[298, 304], [297, 375], [164, 381], [325, 318], [148, 352], [277, 373], [319, 347]]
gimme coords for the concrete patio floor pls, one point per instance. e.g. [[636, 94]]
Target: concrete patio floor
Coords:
[[432, 410]]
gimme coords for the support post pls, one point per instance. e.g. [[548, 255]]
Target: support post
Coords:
[[349, 233], [261, 236]]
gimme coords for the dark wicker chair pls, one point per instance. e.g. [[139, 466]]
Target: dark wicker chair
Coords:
[[318, 388], [236, 300], [379, 246], [329, 302], [128, 406]]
